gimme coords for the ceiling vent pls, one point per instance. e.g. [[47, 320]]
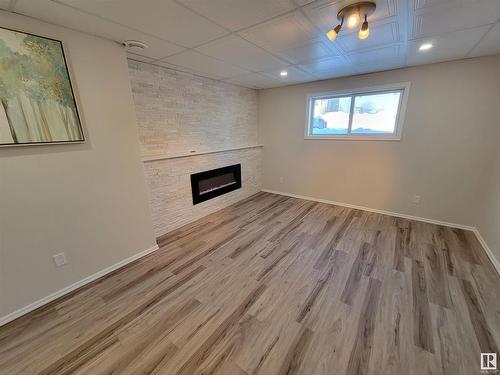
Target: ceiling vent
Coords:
[[129, 44]]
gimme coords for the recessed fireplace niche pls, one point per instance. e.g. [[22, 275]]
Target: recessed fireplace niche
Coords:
[[210, 184]]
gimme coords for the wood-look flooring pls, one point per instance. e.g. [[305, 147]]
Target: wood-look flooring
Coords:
[[276, 285]]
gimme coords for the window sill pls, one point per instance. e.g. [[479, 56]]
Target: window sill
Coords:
[[354, 138]]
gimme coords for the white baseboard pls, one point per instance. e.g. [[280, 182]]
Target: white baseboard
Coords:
[[487, 250], [375, 210], [51, 297], [485, 246]]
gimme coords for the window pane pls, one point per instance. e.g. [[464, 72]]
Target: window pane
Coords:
[[375, 113], [330, 116]]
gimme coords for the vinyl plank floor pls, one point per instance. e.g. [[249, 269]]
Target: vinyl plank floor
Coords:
[[276, 285]]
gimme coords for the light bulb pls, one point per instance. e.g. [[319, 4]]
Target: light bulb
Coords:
[[332, 34], [283, 73], [364, 32], [353, 20]]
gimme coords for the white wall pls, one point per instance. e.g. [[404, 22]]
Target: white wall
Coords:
[[178, 112], [453, 111], [88, 200], [488, 221]]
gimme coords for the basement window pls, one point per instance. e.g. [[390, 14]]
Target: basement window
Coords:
[[375, 113]]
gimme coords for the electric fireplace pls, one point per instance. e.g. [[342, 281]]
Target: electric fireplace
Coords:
[[210, 184]]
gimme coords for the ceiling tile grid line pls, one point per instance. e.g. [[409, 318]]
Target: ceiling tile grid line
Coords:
[[12, 5], [490, 30], [406, 33]]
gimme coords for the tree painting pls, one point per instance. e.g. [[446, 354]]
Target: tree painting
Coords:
[[37, 104]]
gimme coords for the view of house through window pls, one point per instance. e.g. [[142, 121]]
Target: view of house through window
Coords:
[[331, 115], [358, 114]]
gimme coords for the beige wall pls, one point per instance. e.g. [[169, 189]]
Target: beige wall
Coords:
[[453, 110], [488, 221], [88, 200], [179, 113]]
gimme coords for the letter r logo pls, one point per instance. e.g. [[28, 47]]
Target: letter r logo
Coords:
[[488, 361]]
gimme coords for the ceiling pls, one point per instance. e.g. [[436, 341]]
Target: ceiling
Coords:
[[249, 42]]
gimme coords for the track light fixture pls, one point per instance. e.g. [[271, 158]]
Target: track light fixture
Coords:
[[353, 14]]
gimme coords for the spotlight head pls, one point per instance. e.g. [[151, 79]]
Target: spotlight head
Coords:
[[364, 32], [332, 34]]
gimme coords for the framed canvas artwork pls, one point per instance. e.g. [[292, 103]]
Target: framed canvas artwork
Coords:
[[37, 103]]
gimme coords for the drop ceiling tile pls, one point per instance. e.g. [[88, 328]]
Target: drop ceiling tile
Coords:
[[140, 58], [202, 64], [4, 4], [490, 44], [449, 16], [446, 47], [157, 48], [380, 34], [377, 55], [295, 75], [324, 13], [303, 2], [326, 68], [380, 66], [344, 71], [164, 64], [421, 4], [164, 19], [238, 51], [255, 80], [185, 70], [378, 59], [311, 50], [75, 19], [238, 14], [281, 33]]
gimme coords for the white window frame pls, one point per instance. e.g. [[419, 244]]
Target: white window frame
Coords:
[[398, 127]]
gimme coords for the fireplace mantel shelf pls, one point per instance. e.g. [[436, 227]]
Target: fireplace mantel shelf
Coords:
[[148, 159]]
